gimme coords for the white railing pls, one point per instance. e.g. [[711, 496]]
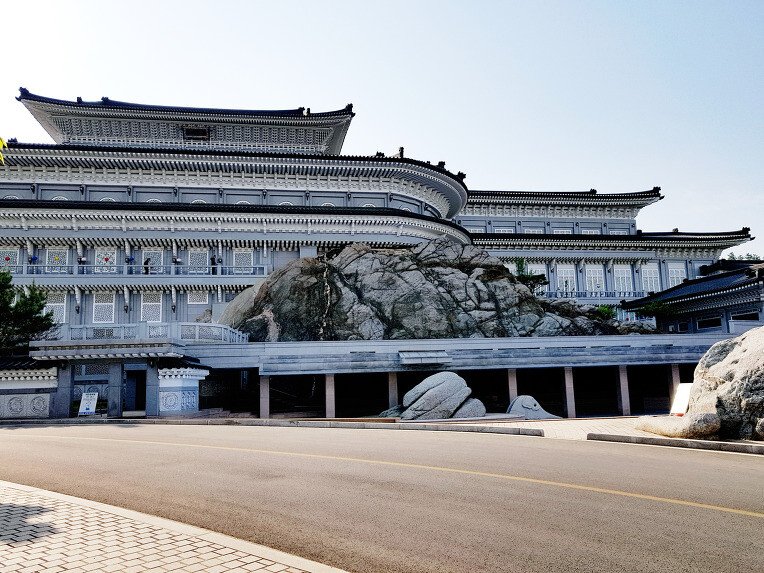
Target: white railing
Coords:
[[619, 295], [138, 270], [187, 331]]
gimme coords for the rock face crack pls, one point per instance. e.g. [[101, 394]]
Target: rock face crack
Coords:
[[436, 289]]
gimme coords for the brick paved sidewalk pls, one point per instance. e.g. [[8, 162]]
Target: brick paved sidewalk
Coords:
[[576, 428], [42, 531]]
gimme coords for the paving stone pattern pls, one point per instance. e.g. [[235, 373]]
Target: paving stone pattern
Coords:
[[39, 533]]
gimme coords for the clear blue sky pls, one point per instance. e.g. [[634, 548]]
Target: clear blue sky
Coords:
[[617, 96]]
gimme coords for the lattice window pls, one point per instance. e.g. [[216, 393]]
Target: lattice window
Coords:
[[9, 258], [286, 203], [105, 261], [153, 201], [107, 200], [677, 273], [198, 261], [153, 262], [505, 230], [151, 306], [93, 369], [103, 307], [562, 231], [59, 198], [590, 231], [622, 278], [595, 278], [243, 261], [619, 232], [198, 297], [566, 278], [533, 231], [56, 303], [651, 278], [198, 202], [56, 260], [328, 205], [243, 202]]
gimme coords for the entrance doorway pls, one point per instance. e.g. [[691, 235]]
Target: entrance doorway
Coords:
[[134, 394]]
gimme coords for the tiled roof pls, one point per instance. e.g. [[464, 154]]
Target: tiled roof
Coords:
[[591, 196], [23, 363]]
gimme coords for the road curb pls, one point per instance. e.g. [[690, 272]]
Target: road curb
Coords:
[[287, 424], [738, 447], [227, 541]]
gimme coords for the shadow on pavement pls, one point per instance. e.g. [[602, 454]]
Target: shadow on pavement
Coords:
[[16, 528]]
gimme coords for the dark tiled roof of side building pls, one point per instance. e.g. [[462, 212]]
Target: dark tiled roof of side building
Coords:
[[23, 363], [707, 285]]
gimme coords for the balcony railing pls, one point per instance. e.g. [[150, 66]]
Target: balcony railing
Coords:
[[185, 331], [107, 270], [589, 294]]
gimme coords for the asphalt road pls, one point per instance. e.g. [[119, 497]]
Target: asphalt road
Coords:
[[417, 501]]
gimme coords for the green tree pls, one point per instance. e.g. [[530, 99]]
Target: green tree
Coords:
[[524, 276], [22, 316], [745, 257]]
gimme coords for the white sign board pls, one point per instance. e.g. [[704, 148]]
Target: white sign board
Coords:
[[681, 399], [88, 403]]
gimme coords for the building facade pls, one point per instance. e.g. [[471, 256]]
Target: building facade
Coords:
[[142, 222]]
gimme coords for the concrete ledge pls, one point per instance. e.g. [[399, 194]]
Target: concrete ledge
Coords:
[[284, 424], [739, 447]]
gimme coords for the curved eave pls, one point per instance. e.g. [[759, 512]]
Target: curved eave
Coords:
[[91, 157], [106, 105], [664, 296], [643, 241], [585, 198], [83, 207]]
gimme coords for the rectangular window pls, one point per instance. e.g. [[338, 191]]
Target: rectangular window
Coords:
[[622, 279], [651, 278], [198, 262], [153, 262], [9, 259], [595, 278], [746, 316], [677, 273], [103, 307], [196, 133], [566, 278], [711, 322], [533, 231], [56, 303], [475, 229], [105, 261], [56, 260], [243, 261], [198, 297], [562, 231], [618, 232], [504, 230], [590, 231], [151, 307]]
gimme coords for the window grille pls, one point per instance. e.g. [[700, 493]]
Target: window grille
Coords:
[[103, 307], [618, 232], [105, 261], [595, 278], [507, 230], [198, 297], [566, 278], [56, 260], [590, 231], [151, 307], [622, 278], [533, 231], [676, 273], [9, 258], [243, 261], [153, 262], [56, 303], [651, 280], [198, 262], [562, 231]]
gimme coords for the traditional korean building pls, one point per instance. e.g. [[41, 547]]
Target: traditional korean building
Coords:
[[142, 222]]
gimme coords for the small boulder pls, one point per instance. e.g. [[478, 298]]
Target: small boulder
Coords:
[[698, 426], [472, 408], [529, 408]]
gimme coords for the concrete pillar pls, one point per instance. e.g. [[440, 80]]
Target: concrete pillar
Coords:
[[115, 390], [61, 398], [392, 389], [675, 380], [331, 409], [512, 383], [265, 396], [623, 391], [152, 391], [570, 398]]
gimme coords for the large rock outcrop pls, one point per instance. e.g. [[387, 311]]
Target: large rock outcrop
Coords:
[[727, 394], [442, 395], [436, 289]]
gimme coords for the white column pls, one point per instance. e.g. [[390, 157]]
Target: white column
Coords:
[[265, 396], [330, 401], [392, 389], [623, 391], [675, 380], [570, 398], [512, 383]]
